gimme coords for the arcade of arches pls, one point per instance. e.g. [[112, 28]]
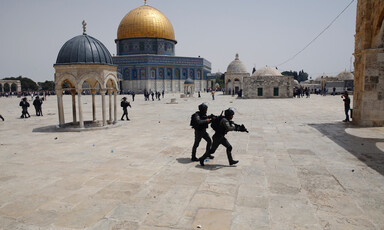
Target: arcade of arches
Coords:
[[10, 86], [93, 79], [368, 101]]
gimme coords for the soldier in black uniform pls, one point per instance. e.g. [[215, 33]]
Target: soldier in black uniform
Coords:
[[24, 105], [226, 124], [37, 103], [200, 121], [124, 103]]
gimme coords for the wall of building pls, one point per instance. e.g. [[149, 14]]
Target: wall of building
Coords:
[[368, 101], [233, 80], [168, 73], [169, 86], [268, 85]]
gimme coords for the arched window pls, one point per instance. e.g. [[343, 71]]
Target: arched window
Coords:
[[177, 74], [127, 74], [153, 73], [161, 73], [169, 73], [192, 74], [142, 74]]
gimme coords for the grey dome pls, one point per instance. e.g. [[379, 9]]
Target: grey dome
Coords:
[[189, 82], [84, 49], [237, 66]]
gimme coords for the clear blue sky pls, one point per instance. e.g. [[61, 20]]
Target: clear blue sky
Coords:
[[262, 32]]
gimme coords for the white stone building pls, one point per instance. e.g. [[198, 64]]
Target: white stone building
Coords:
[[236, 71], [268, 82]]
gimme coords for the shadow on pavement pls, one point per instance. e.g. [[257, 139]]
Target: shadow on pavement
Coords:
[[364, 149], [184, 160], [212, 166]]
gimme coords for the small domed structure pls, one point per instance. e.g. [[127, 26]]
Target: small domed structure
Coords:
[[267, 71], [345, 75], [268, 82], [189, 82], [85, 66], [189, 88], [236, 71]]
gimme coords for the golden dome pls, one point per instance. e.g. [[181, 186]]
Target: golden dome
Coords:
[[145, 22]]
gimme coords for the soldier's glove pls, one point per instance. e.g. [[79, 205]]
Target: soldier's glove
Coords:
[[212, 116], [242, 129]]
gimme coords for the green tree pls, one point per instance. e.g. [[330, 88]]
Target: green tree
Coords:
[[301, 76], [47, 85]]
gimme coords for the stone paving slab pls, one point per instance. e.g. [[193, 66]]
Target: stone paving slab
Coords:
[[300, 168]]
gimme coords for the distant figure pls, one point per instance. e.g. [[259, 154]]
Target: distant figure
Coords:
[[347, 105], [124, 103], [333, 91], [1, 117], [133, 96], [158, 95], [213, 95], [162, 93], [152, 94], [24, 105], [198, 93], [37, 103]]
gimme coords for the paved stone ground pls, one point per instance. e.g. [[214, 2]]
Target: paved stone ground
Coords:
[[300, 168]]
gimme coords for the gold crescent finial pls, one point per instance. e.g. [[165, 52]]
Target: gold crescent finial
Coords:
[[145, 2]]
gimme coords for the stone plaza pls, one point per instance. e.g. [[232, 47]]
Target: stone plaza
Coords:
[[300, 168]]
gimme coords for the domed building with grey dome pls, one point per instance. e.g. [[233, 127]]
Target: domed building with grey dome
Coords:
[[338, 84], [146, 55], [236, 71], [268, 82], [85, 65]]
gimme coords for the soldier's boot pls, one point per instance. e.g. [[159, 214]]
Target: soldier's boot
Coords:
[[2, 118], [202, 159], [230, 159], [194, 158]]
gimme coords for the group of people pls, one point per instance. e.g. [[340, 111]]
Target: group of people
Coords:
[[221, 125], [158, 94], [24, 104], [301, 91]]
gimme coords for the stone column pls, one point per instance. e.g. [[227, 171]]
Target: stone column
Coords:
[[110, 104], [115, 106], [73, 93], [81, 122], [59, 93], [102, 92], [93, 92]]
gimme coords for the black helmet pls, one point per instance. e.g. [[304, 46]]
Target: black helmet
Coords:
[[203, 107], [229, 112]]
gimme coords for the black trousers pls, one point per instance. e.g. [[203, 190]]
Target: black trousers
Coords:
[[217, 141], [198, 135], [125, 113]]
